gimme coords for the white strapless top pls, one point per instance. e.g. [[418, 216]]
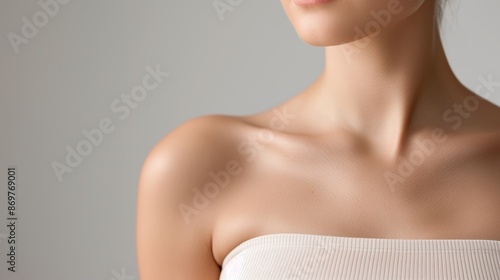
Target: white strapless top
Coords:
[[290, 256]]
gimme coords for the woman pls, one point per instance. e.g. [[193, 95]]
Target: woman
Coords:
[[385, 167]]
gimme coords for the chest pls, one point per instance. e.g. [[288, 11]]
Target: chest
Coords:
[[357, 197]]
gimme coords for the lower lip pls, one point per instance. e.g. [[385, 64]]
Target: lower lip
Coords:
[[310, 2]]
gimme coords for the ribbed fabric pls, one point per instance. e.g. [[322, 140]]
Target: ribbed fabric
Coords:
[[304, 256]]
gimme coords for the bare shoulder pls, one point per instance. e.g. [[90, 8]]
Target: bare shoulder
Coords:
[[477, 123], [193, 148], [195, 138], [166, 243], [188, 152], [184, 156]]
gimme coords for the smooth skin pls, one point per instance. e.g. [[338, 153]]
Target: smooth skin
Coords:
[[319, 162]]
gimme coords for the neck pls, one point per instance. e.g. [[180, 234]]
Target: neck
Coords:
[[378, 85]]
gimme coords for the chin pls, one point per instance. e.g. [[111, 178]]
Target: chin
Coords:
[[323, 33], [343, 21]]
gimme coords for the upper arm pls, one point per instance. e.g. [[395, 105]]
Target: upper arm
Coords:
[[167, 246]]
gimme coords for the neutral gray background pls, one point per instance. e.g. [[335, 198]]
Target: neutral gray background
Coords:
[[66, 77]]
